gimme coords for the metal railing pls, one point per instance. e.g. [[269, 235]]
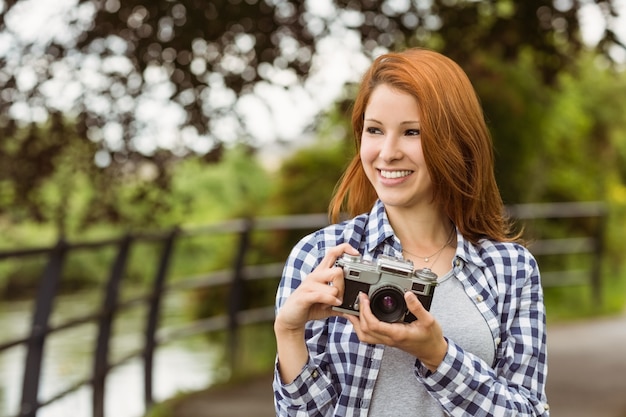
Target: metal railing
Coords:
[[154, 335], [592, 244]]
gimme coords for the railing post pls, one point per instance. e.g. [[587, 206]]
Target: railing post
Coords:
[[107, 313], [153, 316], [596, 271], [43, 308], [236, 291]]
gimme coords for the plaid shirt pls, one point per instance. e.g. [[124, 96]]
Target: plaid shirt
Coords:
[[503, 281]]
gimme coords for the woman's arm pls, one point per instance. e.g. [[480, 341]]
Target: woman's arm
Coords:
[[467, 386], [304, 299]]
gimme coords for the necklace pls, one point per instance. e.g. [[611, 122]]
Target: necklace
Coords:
[[427, 258]]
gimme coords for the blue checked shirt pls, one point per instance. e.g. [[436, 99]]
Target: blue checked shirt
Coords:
[[503, 281]]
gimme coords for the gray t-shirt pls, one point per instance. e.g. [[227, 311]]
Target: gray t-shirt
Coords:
[[398, 392]]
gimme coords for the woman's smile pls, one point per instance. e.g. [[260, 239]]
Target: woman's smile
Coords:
[[393, 174]]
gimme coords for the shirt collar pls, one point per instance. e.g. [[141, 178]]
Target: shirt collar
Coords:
[[467, 251], [380, 231]]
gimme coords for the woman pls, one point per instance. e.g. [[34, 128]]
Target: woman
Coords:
[[421, 188]]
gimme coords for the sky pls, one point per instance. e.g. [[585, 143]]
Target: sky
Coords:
[[274, 114]]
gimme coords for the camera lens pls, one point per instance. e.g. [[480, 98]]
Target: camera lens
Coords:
[[387, 304]]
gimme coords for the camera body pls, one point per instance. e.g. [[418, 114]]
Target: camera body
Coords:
[[385, 281]]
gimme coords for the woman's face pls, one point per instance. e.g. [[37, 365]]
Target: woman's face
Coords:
[[391, 149]]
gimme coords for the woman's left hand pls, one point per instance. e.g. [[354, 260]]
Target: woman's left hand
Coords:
[[422, 338]]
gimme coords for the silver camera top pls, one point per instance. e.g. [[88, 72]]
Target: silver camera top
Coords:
[[385, 263], [395, 265]]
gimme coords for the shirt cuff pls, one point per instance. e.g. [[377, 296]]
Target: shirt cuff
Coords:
[[312, 385]]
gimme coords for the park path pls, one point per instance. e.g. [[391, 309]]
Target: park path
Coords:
[[587, 377], [587, 368]]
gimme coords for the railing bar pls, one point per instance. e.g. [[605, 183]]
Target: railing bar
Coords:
[[520, 211], [207, 280], [200, 326], [77, 321], [251, 272], [562, 246], [255, 272], [125, 359], [132, 302], [557, 210], [12, 343], [300, 221], [214, 323], [72, 388], [256, 315], [228, 226], [46, 250], [141, 236], [25, 252], [564, 278], [54, 329]]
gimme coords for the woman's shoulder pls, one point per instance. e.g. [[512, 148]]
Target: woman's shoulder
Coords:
[[311, 248], [350, 231], [508, 252]]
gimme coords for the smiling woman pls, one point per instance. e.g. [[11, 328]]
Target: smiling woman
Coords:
[[423, 175]]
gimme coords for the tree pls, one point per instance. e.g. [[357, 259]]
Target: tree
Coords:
[[203, 55], [120, 67]]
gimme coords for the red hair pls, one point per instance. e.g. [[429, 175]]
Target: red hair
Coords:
[[456, 143]]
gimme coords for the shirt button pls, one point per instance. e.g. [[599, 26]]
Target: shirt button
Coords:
[[546, 407], [315, 374], [479, 298], [497, 340]]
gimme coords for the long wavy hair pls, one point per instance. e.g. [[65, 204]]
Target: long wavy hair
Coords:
[[456, 143]]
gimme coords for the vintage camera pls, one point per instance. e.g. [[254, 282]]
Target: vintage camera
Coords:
[[385, 281]]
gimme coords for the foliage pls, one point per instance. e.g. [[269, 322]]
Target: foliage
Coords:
[[48, 175], [554, 143], [84, 106], [306, 180], [39, 168], [199, 56], [238, 183]]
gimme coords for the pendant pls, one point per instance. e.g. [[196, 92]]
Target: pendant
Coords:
[[426, 259]]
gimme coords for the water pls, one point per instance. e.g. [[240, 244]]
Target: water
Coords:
[[186, 365]]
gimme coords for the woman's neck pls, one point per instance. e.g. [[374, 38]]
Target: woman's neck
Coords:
[[421, 229]]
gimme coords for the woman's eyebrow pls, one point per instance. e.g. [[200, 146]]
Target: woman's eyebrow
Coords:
[[408, 122]]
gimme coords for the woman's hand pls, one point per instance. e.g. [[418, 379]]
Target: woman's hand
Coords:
[[317, 294], [422, 338], [313, 299]]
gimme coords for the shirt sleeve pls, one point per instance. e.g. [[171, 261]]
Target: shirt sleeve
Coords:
[[515, 386], [312, 392]]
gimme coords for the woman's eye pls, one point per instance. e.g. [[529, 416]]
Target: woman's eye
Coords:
[[373, 130], [412, 132]]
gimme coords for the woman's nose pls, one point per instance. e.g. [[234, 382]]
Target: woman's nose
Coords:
[[389, 150]]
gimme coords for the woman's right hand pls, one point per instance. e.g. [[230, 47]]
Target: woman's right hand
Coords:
[[317, 294]]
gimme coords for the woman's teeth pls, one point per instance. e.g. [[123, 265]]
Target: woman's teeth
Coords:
[[394, 174]]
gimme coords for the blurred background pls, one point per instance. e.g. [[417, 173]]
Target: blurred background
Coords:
[[127, 118]]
